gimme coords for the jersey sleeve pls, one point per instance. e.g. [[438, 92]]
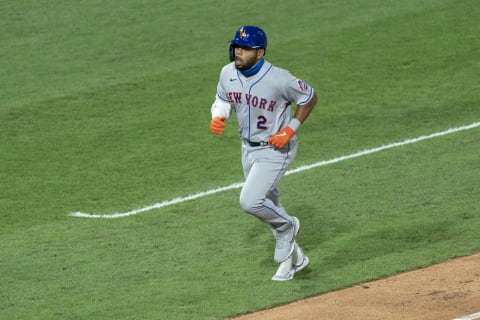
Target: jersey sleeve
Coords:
[[221, 92], [298, 91]]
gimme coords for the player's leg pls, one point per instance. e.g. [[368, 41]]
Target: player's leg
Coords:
[[299, 259], [260, 196], [274, 196], [263, 170], [295, 263], [254, 196]]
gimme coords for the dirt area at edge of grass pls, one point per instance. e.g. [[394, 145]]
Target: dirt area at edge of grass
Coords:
[[449, 290]]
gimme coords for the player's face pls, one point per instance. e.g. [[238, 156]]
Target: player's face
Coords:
[[245, 58]]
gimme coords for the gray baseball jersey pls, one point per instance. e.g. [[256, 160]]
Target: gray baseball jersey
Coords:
[[262, 102]]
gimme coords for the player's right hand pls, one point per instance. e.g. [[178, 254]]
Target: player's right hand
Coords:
[[217, 125]]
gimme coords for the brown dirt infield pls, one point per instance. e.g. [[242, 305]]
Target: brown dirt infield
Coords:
[[449, 290]]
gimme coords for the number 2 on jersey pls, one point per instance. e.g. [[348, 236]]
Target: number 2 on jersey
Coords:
[[261, 120]]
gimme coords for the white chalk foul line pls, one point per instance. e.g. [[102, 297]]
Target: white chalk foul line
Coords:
[[296, 170], [470, 317], [157, 205]]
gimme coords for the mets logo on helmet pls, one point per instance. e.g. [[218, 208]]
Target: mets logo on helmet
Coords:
[[243, 34]]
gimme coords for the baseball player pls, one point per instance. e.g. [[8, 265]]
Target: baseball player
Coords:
[[262, 96]]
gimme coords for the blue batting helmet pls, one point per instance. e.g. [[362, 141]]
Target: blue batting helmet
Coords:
[[248, 37]]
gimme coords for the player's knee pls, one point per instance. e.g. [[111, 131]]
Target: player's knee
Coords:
[[250, 205]]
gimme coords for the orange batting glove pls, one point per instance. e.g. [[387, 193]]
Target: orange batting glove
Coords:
[[281, 138], [217, 125]]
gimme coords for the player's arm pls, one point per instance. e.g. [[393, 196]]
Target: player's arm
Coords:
[[281, 138], [221, 111], [303, 111]]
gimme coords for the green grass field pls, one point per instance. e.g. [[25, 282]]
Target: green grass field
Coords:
[[105, 108]]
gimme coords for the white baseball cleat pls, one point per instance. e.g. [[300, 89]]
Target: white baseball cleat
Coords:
[[299, 260], [285, 271], [295, 263]]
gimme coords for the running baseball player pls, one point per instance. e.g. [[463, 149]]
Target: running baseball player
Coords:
[[262, 97]]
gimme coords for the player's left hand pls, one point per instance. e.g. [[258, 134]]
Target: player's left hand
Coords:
[[281, 138]]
